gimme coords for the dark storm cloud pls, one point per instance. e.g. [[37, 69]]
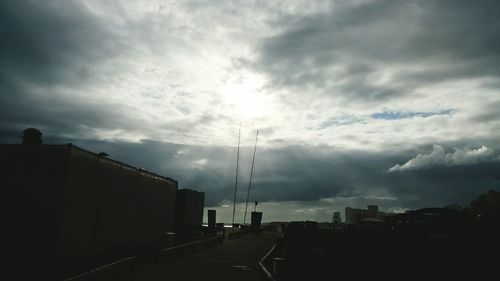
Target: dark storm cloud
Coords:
[[48, 46], [392, 115], [51, 41], [68, 69], [58, 115], [303, 174], [341, 121], [445, 185], [453, 39]]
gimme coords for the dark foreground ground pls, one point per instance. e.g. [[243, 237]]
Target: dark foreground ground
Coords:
[[232, 260], [413, 254]]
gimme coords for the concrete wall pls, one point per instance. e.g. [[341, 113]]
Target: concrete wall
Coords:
[[113, 210], [67, 208], [32, 185]]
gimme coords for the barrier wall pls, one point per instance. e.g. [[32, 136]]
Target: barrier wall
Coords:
[[67, 209]]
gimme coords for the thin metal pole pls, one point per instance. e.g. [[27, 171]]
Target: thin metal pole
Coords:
[[251, 174], [236, 178]]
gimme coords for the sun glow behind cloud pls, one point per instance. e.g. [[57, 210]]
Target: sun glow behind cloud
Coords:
[[215, 76], [246, 99], [189, 72]]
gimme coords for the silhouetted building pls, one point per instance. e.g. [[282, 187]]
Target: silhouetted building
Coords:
[[368, 216], [189, 214], [352, 215], [211, 218], [486, 204], [447, 243], [486, 211], [427, 221], [65, 209], [336, 218], [212, 224], [256, 220]]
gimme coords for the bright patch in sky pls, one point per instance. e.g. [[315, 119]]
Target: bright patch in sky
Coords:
[[246, 98]]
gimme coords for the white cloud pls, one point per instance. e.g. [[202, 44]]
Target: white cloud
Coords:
[[309, 72], [439, 157], [200, 163]]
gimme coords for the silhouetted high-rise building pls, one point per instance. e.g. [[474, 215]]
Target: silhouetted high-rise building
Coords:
[[352, 215], [336, 218]]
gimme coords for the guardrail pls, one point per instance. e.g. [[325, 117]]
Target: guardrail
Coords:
[[188, 248], [233, 235], [106, 272], [117, 269], [242, 231]]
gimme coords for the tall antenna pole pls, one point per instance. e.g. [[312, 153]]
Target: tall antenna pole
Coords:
[[251, 174], [237, 165]]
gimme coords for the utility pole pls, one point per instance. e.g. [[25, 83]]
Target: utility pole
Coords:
[[236, 178], [251, 175]]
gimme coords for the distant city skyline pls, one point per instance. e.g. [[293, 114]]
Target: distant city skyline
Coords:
[[357, 102]]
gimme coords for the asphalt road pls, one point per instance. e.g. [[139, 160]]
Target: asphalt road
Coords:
[[232, 260]]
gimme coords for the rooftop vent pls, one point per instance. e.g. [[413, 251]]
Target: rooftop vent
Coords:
[[32, 136]]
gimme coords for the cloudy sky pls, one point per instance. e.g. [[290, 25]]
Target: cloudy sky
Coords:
[[395, 103]]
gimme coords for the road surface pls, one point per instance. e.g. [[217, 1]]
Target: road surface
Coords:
[[231, 260]]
